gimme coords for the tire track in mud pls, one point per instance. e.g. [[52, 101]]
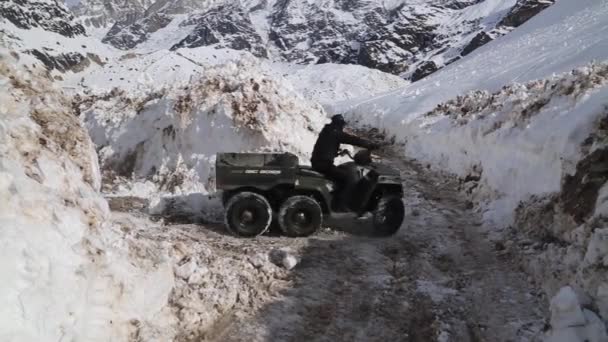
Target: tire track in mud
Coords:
[[492, 299], [438, 279]]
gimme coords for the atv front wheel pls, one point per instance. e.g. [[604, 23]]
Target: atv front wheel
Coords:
[[388, 216], [248, 214], [300, 216]]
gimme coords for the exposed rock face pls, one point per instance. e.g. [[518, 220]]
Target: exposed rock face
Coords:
[[411, 39], [226, 27], [62, 62], [482, 38], [424, 70], [64, 45], [138, 30], [104, 13], [49, 15], [519, 14], [523, 11]]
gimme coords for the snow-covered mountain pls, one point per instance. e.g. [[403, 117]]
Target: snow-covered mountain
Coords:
[[103, 13], [50, 15], [408, 38], [45, 33]]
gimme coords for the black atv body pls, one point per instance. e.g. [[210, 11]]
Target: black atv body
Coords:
[[260, 187]]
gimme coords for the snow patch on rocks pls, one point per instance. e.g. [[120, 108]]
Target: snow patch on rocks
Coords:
[[44, 35]]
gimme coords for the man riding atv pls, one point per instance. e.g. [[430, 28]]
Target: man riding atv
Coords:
[[261, 188], [327, 148]]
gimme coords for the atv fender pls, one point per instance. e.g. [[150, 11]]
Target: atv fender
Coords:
[[320, 188]]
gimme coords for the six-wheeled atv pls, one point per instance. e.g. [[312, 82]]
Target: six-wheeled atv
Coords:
[[261, 187]]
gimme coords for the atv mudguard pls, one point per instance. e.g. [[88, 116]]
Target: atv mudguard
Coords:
[[320, 188]]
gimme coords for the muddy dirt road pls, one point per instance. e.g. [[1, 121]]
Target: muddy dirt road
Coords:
[[438, 279]]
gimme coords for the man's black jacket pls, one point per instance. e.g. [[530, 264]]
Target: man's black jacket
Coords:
[[328, 144]]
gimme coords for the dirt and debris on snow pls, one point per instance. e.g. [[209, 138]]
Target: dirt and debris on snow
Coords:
[[431, 282], [169, 136], [569, 226]]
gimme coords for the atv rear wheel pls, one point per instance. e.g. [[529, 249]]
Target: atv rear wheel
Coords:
[[300, 216], [388, 215], [248, 214]]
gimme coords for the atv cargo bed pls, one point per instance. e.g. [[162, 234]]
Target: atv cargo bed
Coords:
[[235, 170]]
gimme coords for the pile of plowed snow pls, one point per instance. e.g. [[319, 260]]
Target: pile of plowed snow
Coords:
[[64, 272], [168, 137], [322, 83], [72, 270], [146, 70], [518, 120], [519, 141], [328, 84], [538, 150]]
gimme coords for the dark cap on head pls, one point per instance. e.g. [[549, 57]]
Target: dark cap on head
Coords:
[[338, 119]]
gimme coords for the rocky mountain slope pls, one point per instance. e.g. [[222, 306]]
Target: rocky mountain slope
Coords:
[[408, 38], [104, 13], [45, 32]]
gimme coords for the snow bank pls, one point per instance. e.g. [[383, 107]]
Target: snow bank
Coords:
[[71, 270], [517, 158], [171, 135], [325, 84], [144, 71], [522, 120], [65, 274], [568, 229], [520, 141], [333, 83], [136, 97]]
